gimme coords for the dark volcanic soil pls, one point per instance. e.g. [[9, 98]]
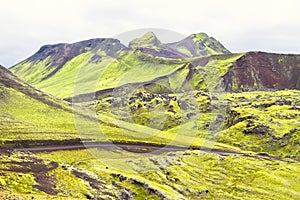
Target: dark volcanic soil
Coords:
[[39, 169]]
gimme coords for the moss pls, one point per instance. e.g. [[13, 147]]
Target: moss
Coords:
[[282, 122], [193, 174], [66, 184], [32, 72]]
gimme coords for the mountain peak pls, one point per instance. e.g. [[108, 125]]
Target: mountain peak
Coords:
[[149, 39], [149, 34], [199, 36], [199, 44]]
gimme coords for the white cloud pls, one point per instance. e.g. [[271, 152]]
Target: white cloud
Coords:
[[239, 24]]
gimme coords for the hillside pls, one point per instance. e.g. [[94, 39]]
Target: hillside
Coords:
[[30, 117], [217, 73], [25, 112]]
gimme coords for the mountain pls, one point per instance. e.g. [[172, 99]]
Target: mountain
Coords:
[[149, 76], [103, 64], [147, 40], [107, 58], [30, 117], [51, 58], [202, 61], [258, 70], [9, 81], [195, 45], [199, 44]]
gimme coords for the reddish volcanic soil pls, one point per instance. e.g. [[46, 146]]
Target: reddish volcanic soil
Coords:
[[259, 70]]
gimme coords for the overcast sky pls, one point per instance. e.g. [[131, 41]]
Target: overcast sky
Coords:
[[241, 25]]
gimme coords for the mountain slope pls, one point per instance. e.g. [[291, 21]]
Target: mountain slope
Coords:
[[31, 117], [199, 44], [51, 58], [88, 75], [258, 70], [27, 113], [218, 73]]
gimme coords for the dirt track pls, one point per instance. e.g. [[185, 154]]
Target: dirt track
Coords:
[[137, 148], [144, 148]]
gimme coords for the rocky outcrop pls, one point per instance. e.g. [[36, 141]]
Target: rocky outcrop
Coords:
[[148, 188]]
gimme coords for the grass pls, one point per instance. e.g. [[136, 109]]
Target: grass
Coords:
[[213, 71], [23, 118], [32, 72], [186, 175], [281, 119]]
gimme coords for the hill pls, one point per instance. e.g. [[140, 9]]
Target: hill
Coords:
[[25, 112], [29, 117]]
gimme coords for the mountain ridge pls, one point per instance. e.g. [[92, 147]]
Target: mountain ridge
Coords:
[[103, 63]]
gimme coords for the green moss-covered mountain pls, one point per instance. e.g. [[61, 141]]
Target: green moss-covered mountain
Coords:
[[104, 64]]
